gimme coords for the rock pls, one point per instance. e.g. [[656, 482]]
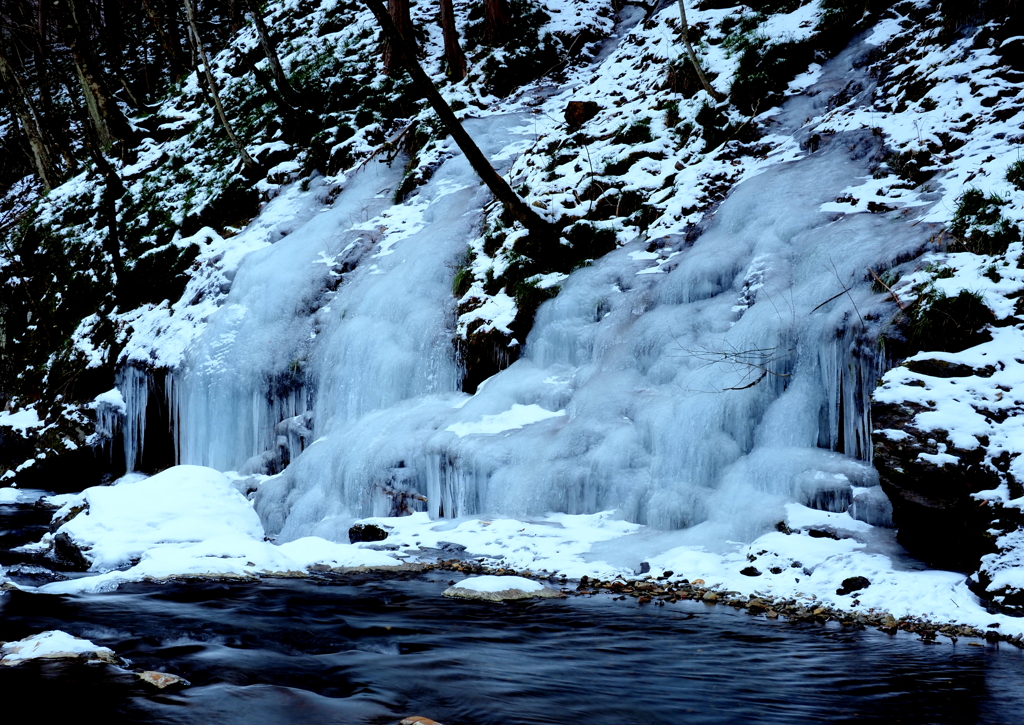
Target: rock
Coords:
[[500, 589], [368, 532], [853, 584], [709, 597], [998, 578], [418, 720], [931, 494], [55, 645], [750, 571], [69, 554], [578, 113], [161, 680], [59, 521], [943, 369]]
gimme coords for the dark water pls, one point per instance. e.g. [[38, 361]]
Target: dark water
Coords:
[[373, 651]]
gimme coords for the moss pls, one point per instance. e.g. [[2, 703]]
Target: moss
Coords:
[[949, 324], [462, 281], [1015, 174], [978, 223], [715, 128], [765, 70], [638, 132], [528, 54], [589, 241]]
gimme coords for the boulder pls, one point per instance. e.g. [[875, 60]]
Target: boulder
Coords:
[[578, 113], [853, 584], [367, 532], [929, 482]]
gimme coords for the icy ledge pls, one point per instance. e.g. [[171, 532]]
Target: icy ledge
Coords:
[[176, 524]]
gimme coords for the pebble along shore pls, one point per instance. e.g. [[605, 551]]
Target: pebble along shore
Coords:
[[666, 589]]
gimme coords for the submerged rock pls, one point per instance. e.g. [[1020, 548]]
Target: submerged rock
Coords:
[[161, 680]]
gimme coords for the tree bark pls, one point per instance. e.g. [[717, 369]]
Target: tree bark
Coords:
[[685, 26], [44, 154], [398, 11], [453, 54], [106, 116], [247, 160], [497, 22], [405, 53]]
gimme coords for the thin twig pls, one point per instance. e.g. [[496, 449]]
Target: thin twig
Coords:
[[895, 297]]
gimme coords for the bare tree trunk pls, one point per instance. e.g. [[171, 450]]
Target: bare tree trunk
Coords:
[[247, 160], [453, 54], [276, 71], [398, 11], [685, 26], [497, 22], [405, 53], [44, 155]]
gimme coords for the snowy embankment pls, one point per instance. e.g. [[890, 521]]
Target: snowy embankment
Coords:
[[191, 522]]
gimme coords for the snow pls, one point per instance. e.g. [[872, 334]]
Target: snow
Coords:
[[513, 419], [55, 643], [22, 420], [183, 504], [499, 584], [14, 495]]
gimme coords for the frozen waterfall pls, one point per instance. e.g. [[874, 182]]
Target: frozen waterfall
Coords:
[[703, 394]]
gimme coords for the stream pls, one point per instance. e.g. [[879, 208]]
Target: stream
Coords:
[[368, 649]]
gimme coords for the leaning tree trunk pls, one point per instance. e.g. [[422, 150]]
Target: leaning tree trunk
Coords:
[[106, 116], [453, 54], [247, 160], [284, 88], [693, 56], [404, 51], [398, 11], [44, 154]]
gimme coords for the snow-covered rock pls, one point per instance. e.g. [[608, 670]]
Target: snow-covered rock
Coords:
[[55, 644], [500, 589], [182, 505]]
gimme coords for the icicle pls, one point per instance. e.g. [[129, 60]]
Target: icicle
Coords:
[[110, 416], [133, 383]]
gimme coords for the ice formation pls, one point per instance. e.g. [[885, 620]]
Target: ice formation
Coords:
[[704, 392]]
